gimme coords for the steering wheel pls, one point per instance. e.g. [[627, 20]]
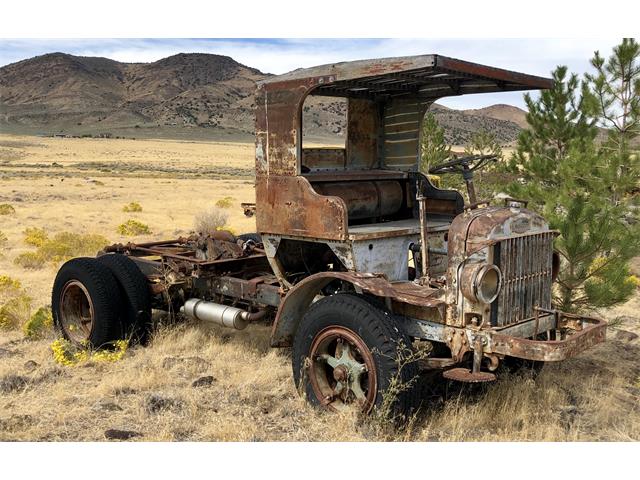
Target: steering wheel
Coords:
[[463, 164]]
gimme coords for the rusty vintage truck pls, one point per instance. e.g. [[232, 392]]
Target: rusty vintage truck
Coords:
[[359, 260]]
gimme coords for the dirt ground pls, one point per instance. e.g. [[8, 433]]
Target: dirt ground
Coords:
[[243, 389]]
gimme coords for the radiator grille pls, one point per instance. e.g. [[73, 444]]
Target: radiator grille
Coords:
[[526, 264]]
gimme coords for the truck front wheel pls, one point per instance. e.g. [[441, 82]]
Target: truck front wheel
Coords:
[[349, 353]]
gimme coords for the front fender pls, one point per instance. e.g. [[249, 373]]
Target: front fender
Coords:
[[300, 296]]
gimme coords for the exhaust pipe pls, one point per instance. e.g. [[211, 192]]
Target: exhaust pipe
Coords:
[[221, 314]]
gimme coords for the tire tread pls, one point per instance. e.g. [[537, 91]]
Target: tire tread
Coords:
[[103, 290], [386, 332]]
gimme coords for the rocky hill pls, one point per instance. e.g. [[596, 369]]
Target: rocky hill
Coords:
[[460, 125], [203, 94], [501, 111], [76, 94]]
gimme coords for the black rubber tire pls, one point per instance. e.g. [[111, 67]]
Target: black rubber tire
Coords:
[[134, 291], [103, 291], [256, 237], [384, 338]]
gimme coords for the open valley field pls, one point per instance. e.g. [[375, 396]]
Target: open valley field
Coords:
[[195, 382]]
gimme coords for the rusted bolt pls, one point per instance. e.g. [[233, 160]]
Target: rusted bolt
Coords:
[[340, 373]]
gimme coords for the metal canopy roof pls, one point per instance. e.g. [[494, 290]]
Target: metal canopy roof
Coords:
[[430, 76]]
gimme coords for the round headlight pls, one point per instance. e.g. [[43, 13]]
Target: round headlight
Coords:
[[481, 282]]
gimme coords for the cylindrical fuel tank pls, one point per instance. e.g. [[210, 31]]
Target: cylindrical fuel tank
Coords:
[[365, 199]]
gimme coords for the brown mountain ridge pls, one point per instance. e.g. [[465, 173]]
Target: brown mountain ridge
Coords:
[[202, 94]]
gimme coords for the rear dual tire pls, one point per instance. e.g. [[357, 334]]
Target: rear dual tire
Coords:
[[100, 301], [134, 294], [85, 303]]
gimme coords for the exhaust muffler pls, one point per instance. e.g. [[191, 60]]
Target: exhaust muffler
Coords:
[[224, 315]]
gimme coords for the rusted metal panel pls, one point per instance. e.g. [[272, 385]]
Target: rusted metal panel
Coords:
[[402, 120], [289, 205], [300, 296], [261, 131], [399, 228], [373, 256], [362, 134], [366, 199], [324, 159], [426, 73], [355, 175], [278, 125], [357, 69], [529, 328], [593, 332], [283, 121], [510, 78]]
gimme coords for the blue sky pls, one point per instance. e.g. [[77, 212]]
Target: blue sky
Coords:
[[535, 56]]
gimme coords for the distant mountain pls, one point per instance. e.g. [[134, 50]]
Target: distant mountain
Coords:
[[460, 125], [201, 93], [502, 112], [64, 92]]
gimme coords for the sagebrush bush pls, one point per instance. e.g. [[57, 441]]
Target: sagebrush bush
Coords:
[[39, 323], [15, 304], [35, 236], [210, 220], [132, 228], [132, 207], [30, 260], [66, 245], [62, 247], [15, 312], [9, 288], [6, 209], [225, 202]]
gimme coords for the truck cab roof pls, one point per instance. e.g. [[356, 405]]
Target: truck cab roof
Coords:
[[433, 76]]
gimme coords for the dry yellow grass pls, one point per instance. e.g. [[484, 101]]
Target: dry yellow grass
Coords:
[[252, 397], [87, 200], [592, 397]]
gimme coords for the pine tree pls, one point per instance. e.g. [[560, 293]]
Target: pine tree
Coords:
[[483, 142], [566, 175], [616, 91], [491, 178], [433, 146]]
